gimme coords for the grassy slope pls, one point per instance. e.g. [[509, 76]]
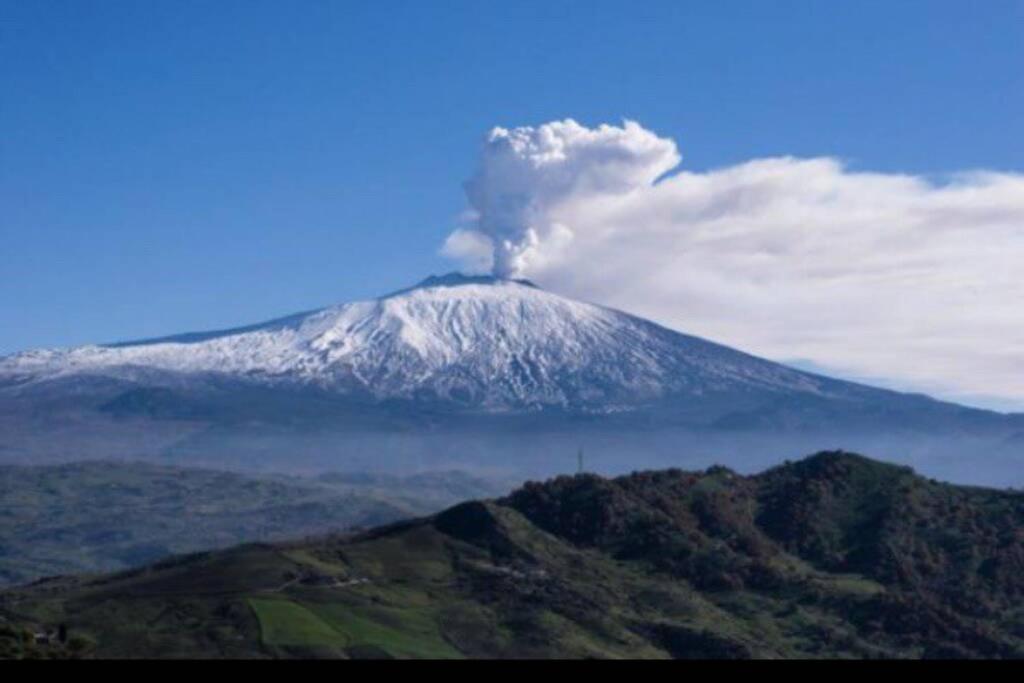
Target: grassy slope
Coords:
[[835, 556]]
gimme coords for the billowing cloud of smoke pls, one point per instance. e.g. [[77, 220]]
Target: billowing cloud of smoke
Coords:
[[869, 274], [526, 173]]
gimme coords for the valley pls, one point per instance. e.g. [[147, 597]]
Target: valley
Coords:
[[101, 516]]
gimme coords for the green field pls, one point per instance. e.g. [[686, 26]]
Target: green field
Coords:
[[399, 632], [286, 623], [385, 631]]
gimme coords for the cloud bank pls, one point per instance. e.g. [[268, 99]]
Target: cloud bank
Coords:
[[916, 280]]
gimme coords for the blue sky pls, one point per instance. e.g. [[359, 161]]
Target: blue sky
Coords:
[[170, 166]]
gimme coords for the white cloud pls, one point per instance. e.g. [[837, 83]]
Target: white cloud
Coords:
[[872, 274]]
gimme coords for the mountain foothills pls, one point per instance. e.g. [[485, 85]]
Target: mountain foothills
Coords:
[[105, 516], [471, 373], [833, 556]]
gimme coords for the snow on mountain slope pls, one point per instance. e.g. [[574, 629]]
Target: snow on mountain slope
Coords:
[[491, 343]]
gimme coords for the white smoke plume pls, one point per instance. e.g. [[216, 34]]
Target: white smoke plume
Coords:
[[526, 173], [915, 280]]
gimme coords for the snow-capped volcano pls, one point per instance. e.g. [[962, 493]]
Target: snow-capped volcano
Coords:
[[460, 372], [497, 344]]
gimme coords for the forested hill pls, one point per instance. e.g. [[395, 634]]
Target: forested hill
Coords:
[[833, 556]]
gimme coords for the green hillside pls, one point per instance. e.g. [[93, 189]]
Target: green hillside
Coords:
[[833, 556]]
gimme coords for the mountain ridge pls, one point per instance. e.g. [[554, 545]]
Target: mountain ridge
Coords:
[[835, 555]]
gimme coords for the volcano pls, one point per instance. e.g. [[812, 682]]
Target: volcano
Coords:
[[458, 352]]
